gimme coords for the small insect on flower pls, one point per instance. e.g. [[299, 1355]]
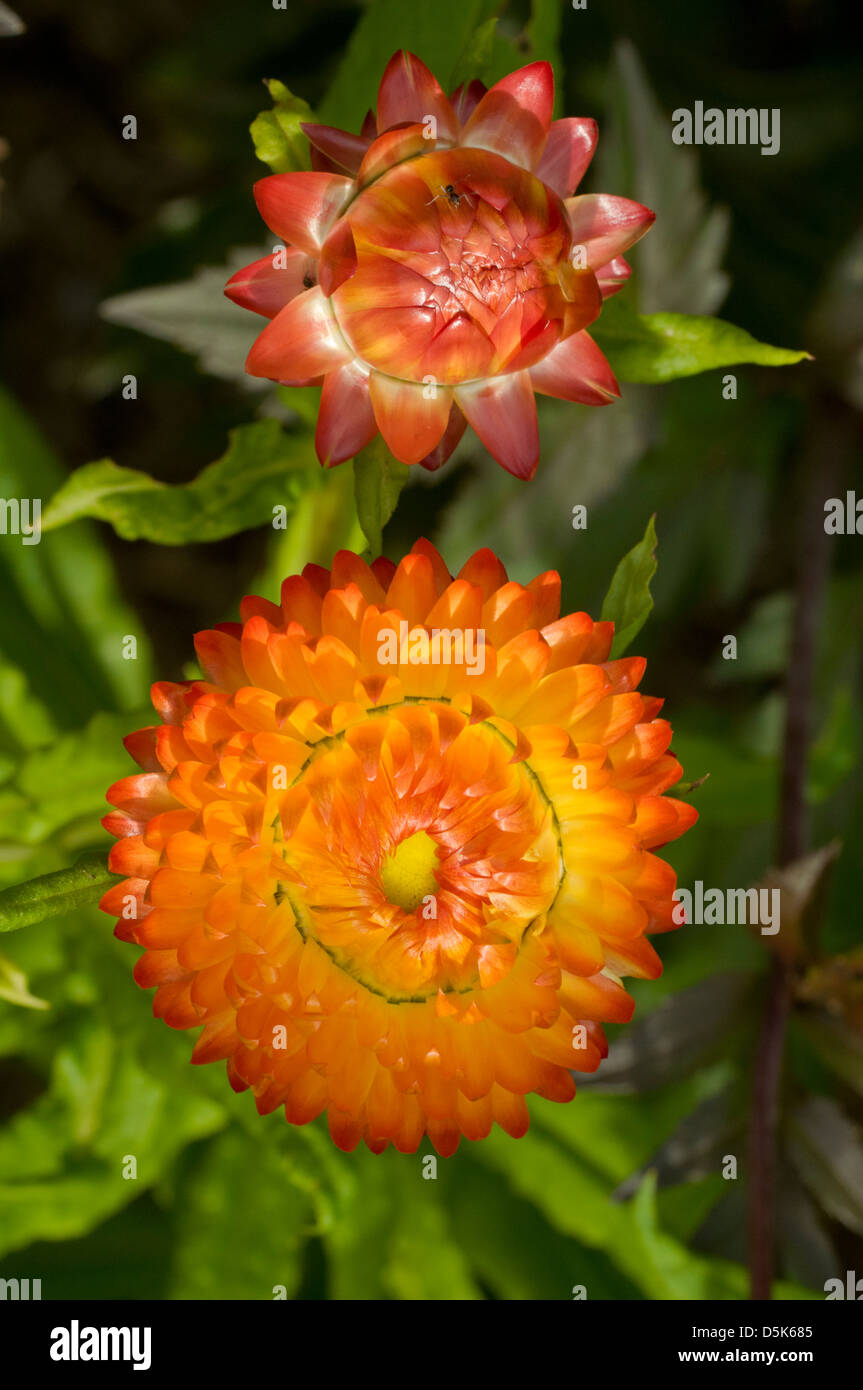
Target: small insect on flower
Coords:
[[453, 198], [454, 248], [395, 887]]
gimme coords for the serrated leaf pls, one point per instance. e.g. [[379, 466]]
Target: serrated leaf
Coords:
[[52, 894], [629, 601], [653, 348], [379, 479], [276, 134], [262, 468]]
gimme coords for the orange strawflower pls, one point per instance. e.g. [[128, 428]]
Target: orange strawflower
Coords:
[[437, 271], [394, 850]]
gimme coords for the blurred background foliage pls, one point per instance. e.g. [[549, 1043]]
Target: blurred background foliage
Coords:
[[115, 254]]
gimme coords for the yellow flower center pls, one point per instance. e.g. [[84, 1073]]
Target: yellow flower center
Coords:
[[408, 875]]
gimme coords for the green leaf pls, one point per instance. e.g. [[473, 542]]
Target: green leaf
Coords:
[[836, 751], [424, 1261], [575, 1202], [196, 316], [262, 469], [660, 347], [235, 1168], [379, 479], [64, 1161], [62, 620], [476, 56], [276, 134], [434, 32], [629, 601], [52, 894]]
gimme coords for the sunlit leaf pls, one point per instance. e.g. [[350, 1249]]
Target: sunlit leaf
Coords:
[[262, 469], [659, 347], [629, 601], [276, 134], [379, 482]]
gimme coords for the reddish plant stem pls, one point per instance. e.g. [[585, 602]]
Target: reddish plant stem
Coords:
[[813, 558]]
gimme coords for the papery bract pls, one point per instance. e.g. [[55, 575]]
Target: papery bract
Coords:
[[437, 270], [395, 850]]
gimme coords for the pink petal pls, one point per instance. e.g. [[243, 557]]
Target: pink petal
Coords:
[[393, 340], [343, 150], [301, 207], [454, 431], [346, 421], [265, 289], [460, 352], [613, 276], [302, 342], [411, 419], [570, 147], [391, 148], [409, 92], [466, 98], [503, 413], [606, 225], [514, 116], [576, 370], [338, 257]]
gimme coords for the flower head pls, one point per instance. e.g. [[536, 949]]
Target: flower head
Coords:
[[394, 851], [437, 270]]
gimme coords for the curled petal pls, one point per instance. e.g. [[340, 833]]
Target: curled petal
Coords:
[[405, 142], [613, 276], [606, 226], [502, 410], [343, 150], [452, 435], [576, 370], [302, 342], [568, 152], [302, 207], [466, 98], [267, 285]]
